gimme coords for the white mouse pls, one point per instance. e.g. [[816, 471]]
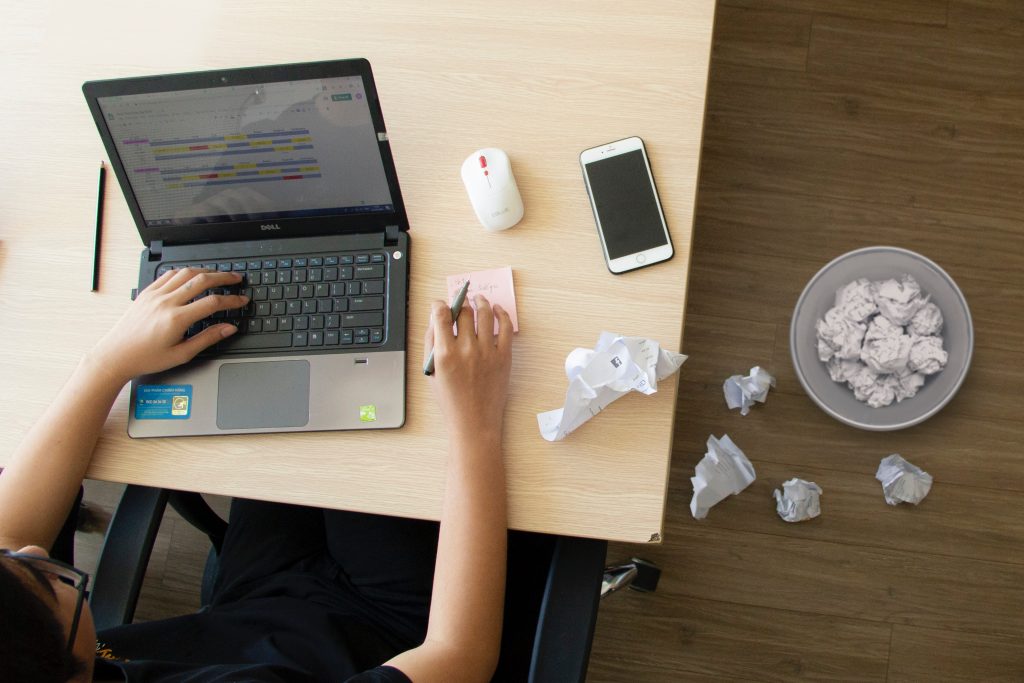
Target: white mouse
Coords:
[[487, 174]]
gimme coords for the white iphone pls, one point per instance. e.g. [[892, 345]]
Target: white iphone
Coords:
[[626, 207]]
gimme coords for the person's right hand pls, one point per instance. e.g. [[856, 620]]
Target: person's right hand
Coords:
[[150, 336], [471, 369]]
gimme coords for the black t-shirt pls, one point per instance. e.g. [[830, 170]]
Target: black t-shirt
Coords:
[[295, 627], [107, 671]]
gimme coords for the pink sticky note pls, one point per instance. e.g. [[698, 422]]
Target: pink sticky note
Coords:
[[494, 284]]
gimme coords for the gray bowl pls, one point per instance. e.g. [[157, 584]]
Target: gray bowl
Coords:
[[880, 263]]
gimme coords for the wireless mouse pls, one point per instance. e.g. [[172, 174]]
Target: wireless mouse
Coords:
[[492, 189]]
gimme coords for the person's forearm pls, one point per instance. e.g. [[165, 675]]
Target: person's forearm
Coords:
[[464, 630], [469, 578], [39, 483]]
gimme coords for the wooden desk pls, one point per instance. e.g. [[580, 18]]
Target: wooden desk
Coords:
[[543, 81]]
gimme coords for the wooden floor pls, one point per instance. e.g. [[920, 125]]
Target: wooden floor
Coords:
[[831, 125]]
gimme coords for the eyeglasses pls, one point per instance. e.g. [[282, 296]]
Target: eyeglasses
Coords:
[[65, 573]]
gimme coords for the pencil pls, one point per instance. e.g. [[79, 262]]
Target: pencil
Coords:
[[428, 367], [99, 229]]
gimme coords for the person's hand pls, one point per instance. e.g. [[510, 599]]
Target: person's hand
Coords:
[[471, 369], [150, 336]]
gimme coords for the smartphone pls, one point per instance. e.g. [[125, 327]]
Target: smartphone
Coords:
[[626, 207]]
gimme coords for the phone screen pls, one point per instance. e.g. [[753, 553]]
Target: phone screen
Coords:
[[627, 208]]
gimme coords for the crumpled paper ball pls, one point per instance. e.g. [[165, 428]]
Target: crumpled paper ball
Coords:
[[902, 482], [741, 392], [798, 501]]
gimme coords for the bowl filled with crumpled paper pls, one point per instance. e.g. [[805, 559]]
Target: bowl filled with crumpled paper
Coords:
[[881, 338]]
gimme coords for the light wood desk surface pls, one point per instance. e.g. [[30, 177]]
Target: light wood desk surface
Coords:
[[542, 80]]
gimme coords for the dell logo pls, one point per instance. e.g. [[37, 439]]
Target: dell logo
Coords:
[[270, 226]]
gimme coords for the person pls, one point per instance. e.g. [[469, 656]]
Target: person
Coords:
[[301, 594]]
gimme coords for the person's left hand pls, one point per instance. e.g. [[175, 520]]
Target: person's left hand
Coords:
[[150, 336]]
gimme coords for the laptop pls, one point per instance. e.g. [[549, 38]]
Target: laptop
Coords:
[[283, 174]]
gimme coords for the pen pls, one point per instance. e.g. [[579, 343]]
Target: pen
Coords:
[[99, 229], [428, 367]]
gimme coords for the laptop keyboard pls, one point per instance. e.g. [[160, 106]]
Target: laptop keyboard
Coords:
[[301, 302]]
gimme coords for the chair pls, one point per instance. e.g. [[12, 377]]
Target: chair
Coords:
[[553, 590]]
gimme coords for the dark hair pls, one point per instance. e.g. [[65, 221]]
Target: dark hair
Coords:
[[33, 646]]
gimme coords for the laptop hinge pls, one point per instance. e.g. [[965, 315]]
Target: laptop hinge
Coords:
[[391, 233], [156, 250]]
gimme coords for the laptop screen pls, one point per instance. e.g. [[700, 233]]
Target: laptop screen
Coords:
[[250, 152]]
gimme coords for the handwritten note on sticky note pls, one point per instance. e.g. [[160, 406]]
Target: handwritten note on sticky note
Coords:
[[494, 284]]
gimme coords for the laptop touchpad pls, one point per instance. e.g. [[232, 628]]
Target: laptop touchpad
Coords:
[[263, 394]]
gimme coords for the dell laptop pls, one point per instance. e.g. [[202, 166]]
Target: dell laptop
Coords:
[[283, 174]]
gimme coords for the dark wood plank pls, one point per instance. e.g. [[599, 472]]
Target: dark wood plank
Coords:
[[920, 654], [910, 11], [761, 38], [168, 589], [998, 16], [720, 347], [850, 147], [616, 671], [159, 602], [186, 558], [822, 228], [868, 97], [687, 638], [761, 289], [863, 137], [840, 580], [900, 54]]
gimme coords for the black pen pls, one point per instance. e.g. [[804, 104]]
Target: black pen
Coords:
[[99, 229]]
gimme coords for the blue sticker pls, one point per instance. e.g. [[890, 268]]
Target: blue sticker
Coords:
[[163, 402]]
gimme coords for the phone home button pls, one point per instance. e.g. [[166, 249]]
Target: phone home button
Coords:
[[641, 258]]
